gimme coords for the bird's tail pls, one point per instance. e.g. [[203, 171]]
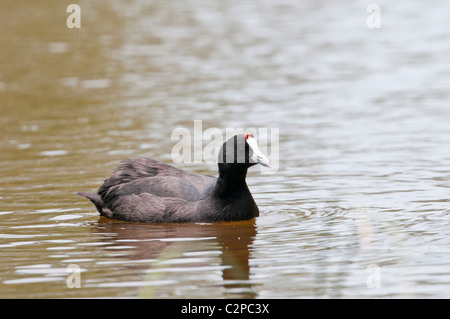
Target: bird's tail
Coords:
[[97, 200]]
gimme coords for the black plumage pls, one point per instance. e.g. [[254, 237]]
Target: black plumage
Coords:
[[146, 190]]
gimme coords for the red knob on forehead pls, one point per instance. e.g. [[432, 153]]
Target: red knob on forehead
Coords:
[[246, 136]]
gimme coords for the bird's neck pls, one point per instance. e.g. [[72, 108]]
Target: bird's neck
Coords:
[[231, 180]]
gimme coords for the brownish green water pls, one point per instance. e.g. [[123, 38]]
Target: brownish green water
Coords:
[[359, 206]]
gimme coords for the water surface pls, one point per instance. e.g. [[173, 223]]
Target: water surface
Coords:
[[359, 206]]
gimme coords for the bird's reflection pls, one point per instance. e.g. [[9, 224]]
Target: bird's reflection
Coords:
[[230, 240]]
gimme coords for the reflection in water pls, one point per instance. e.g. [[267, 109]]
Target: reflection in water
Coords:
[[187, 247], [364, 158]]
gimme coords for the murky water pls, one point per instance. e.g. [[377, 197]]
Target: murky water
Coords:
[[359, 206]]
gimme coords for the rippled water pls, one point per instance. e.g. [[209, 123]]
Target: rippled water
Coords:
[[359, 206]]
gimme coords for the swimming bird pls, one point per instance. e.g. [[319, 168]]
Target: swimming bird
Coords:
[[147, 190]]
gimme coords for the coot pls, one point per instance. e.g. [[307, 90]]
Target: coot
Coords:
[[146, 190]]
